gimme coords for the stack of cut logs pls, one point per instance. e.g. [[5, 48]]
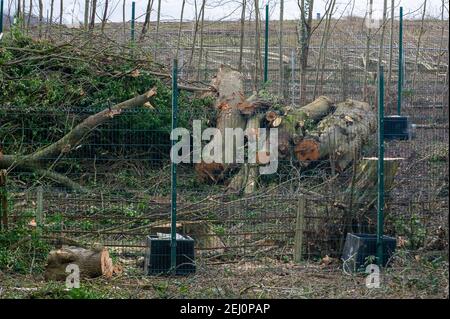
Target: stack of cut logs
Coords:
[[319, 130]]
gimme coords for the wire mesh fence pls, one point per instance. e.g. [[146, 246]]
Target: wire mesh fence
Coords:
[[303, 212]]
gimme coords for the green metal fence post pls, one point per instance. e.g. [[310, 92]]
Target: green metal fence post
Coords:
[[266, 46], [133, 17], [380, 170], [173, 229], [1, 18], [400, 63]]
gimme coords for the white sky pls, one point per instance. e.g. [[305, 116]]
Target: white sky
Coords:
[[218, 9]]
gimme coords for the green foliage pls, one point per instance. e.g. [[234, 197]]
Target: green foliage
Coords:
[[22, 250], [61, 85], [413, 229]]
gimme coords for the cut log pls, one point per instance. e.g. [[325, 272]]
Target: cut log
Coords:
[[361, 195], [293, 123], [230, 92], [92, 262], [255, 104], [247, 177], [366, 178], [339, 134]]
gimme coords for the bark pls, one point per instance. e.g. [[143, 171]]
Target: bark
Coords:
[[86, 14], [105, 15], [339, 134], [362, 193], [92, 262], [124, 20], [41, 17], [158, 20], [257, 57], [147, 18], [179, 27], [93, 13], [29, 14], [293, 123], [61, 11], [391, 47], [230, 92], [254, 104], [247, 178], [52, 4], [280, 51], [419, 42], [202, 22], [242, 30], [305, 30]]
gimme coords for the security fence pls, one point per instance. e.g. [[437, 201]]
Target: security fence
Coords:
[[302, 212]]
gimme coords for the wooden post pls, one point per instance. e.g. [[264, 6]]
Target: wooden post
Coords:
[[299, 226], [3, 200], [39, 207]]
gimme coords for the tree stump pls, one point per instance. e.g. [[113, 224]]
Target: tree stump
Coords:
[[92, 262]]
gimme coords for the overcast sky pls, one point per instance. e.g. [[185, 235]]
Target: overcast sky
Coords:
[[219, 9]]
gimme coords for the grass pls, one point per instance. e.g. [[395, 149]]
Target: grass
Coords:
[[409, 277]]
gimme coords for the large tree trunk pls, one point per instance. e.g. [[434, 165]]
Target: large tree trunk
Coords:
[[291, 127], [339, 134], [92, 262], [230, 90], [247, 178], [296, 120]]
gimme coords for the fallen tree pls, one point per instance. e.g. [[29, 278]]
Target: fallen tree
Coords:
[[339, 134], [54, 151], [291, 124]]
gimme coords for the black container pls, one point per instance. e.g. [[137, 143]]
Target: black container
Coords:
[[397, 128], [358, 247], [157, 256]]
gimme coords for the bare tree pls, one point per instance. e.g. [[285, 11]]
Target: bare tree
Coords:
[[29, 14], [124, 21], [323, 46], [241, 44], [86, 13], [105, 15], [52, 3], [367, 52], [305, 32], [383, 32], [147, 19], [179, 27], [202, 21], [19, 9], [158, 19], [93, 13], [194, 40], [391, 46], [419, 40], [258, 61], [41, 17], [280, 51], [61, 11]]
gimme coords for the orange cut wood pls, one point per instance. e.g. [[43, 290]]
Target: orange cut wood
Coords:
[[307, 150]]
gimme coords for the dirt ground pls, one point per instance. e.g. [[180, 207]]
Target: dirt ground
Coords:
[[411, 276]]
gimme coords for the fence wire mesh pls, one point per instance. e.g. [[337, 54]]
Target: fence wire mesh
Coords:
[[302, 212]]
